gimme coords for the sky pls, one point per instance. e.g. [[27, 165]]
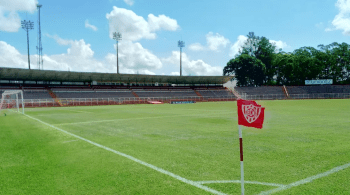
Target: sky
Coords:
[[78, 35]]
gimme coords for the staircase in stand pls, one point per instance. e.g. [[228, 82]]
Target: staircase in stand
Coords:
[[135, 94], [53, 95], [200, 95], [234, 93], [285, 91]]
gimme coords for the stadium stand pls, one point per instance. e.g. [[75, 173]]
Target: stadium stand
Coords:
[[36, 94], [62, 88], [264, 92], [93, 94], [317, 91], [214, 93]]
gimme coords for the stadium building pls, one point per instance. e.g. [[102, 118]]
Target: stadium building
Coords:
[[63, 88]]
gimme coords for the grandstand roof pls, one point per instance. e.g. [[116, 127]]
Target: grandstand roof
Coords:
[[67, 76]]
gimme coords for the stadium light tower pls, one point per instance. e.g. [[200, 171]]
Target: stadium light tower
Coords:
[[181, 44], [27, 25], [39, 47], [117, 37]]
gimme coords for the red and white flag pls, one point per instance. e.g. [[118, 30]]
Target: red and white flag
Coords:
[[250, 114]]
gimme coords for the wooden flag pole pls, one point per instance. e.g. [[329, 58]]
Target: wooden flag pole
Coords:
[[241, 156]]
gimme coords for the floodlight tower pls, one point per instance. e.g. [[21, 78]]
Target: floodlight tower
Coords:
[[27, 25], [117, 37], [39, 46], [181, 44]]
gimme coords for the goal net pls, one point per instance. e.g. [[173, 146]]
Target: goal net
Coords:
[[12, 100]]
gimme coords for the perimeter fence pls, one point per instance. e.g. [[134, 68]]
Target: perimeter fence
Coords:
[[146, 100], [297, 96], [117, 101]]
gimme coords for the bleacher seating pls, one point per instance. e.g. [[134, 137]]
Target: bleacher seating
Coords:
[[93, 94], [172, 93], [260, 90], [215, 93], [107, 91], [36, 94], [318, 89]]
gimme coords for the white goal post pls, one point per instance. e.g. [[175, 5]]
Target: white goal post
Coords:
[[12, 99]]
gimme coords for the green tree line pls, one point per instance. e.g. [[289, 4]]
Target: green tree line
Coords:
[[260, 63]]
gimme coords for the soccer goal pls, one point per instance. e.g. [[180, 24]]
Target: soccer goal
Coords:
[[12, 100]]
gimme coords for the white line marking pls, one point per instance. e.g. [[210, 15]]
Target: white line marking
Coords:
[[239, 181], [70, 141], [307, 180], [79, 111], [190, 182], [101, 121]]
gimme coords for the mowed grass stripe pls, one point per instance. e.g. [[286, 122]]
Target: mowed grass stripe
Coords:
[[136, 160], [145, 118]]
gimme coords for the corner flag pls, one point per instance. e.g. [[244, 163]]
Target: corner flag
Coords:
[[250, 114]]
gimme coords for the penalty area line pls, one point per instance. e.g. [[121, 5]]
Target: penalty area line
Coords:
[[184, 180], [239, 181], [306, 180]]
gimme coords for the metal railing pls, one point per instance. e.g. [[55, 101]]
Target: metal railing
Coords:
[[114, 101], [297, 96], [143, 100]]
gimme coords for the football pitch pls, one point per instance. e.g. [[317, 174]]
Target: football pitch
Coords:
[[304, 148]]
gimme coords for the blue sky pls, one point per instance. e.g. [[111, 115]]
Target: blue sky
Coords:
[[76, 35]]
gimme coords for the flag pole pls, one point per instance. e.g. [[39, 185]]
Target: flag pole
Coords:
[[241, 156]]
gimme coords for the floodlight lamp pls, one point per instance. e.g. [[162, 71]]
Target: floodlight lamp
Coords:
[[117, 36], [181, 44], [31, 25]]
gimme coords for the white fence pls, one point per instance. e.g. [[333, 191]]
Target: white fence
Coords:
[[140, 100], [297, 96], [109, 101]]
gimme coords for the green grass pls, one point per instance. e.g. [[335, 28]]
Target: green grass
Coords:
[[196, 141]]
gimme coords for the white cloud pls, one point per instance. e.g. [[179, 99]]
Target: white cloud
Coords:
[[129, 2], [192, 67], [11, 56], [279, 44], [175, 73], [196, 47], [162, 22], [214, 43], [92, 27], [342, 20], [9, 18], [11, 23], [236, 47], [134, 27], [133, 58], [19, 5]]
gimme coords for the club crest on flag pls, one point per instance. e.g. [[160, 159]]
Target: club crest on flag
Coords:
[[251, 112]]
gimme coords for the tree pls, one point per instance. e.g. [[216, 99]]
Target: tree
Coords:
[[284, 63], [248, 70], [263, 51]]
